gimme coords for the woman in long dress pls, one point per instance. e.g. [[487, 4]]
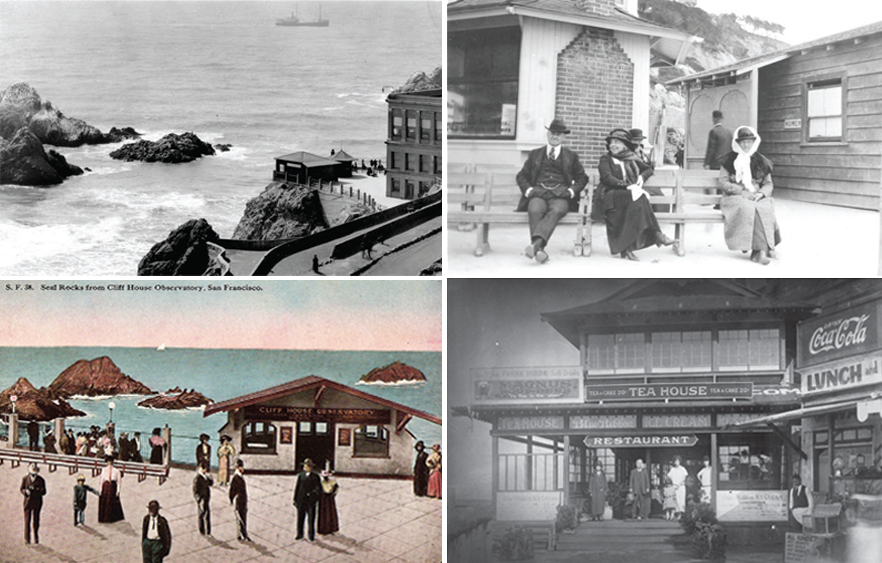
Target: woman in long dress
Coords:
[[434, 465], [597, 486], [327, 509], [109, 506], [157, 447], [747, 204], [677, 474], [630, 221], [225, 454]]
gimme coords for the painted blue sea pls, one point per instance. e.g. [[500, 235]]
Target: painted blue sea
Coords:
[[220, 375], [222, 70]]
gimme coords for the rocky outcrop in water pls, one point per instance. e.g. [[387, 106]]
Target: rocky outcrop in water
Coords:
[[282, 211], [93, 378], [184, 253], [175, 399], [21, 106], [35, 404], [171, 149], [25, 162], [420, 81], [395, 372]]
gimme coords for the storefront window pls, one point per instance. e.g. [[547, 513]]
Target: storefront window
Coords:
[[531, 472], [482, 96], [371, 441], [258, 438], [749, 462]]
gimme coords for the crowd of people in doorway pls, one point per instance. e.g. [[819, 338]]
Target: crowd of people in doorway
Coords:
[[552, 179]]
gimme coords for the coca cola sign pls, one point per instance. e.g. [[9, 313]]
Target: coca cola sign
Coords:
[[840, 335]]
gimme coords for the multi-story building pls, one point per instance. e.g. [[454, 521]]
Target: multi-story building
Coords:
[[413, 148]]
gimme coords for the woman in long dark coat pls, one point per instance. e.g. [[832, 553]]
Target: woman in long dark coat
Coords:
[[747, 204], [157, 447], [327, 508], [420, 470], [630, 221], [597, 486], [109, 506]]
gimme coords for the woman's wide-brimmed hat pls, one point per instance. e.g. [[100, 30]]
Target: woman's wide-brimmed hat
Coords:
[[225, 438], [744, 133], [620, 134], [557, 126]]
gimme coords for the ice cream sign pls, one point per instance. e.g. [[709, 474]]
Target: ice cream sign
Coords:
[[845, 334]]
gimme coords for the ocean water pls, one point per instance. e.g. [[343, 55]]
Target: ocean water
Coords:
[[222, 70], [220, 375]]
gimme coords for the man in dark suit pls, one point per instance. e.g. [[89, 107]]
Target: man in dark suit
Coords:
[[33, 487], [307, 491], [203, 450], [719, 143], [202, 493], [33, 436], [239, 500], [155, 535], [550, 182]]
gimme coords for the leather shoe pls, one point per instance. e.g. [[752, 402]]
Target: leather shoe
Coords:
[[530, 251], [541, 256], [760, 256], [629, 255], [662, 239]]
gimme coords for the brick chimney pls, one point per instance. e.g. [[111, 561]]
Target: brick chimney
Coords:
[[599, 7]]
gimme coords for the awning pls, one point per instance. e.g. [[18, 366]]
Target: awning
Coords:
[[872, 404]]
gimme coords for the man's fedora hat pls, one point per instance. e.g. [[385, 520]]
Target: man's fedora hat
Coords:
[[557, 126], [636, 135]]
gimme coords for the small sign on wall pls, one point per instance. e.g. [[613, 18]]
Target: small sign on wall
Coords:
[[344, 437], [286, 435], [793, 124]]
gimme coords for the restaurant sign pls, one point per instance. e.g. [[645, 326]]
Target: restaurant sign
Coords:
[[842, 375], [630, 441], [661, 392], [832, 337], [513, 386], [305, 414]]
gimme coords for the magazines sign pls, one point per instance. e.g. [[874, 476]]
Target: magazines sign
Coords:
[[841, 335], [512, 386]]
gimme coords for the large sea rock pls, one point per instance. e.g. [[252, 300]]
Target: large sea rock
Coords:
[[94, 378], [24, 161], [171, 149], [395, 372], [174, 399], [22, 106], [419, 81], [184, 253], [282, 211], [35, 404]]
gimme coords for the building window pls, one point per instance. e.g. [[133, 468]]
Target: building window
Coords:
[[411, 125], [601, 353], [437, 167], [824, 110], [425, 163], [371, 441], [425, 127], [681, 351], [751, 462], [630, 352], [321, 428], [304, 428], [393, 160], [397, 123], [394, 186], [482, 84], [408, 189], [437, 127], [749, 349], [258, 438], [531, 472], [408, 161]]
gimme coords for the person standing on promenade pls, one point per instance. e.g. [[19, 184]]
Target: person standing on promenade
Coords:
[[33, 436], [799, 501], [202, 493], [157, 447], [719, 142], [155, 535], [704, 477], [328, 522], [49, 442], [639, 486], [136, 448], [203, 450], [109, 506], [239, 500], [420, 470], [33, 487], [434, 464], [225, 454], [677, 475], [307, 492], [550, 182], [79, 500]]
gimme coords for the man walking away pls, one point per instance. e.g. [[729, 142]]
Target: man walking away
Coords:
[[239, 500], [202, 493]]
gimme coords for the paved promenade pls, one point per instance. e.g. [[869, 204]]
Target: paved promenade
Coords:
[[380, 520]]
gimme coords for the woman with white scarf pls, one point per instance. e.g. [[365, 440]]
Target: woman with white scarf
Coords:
[[747, 205]]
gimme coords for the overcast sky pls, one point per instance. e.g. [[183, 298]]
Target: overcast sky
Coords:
[[297, 315], [804, 21]]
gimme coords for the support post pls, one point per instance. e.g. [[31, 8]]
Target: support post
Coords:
[[166, 435], [12, 441], [566, 468], [494, 480], [714, 471]]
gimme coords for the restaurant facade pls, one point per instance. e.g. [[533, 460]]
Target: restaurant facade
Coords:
[[341, 428], [667, 369]]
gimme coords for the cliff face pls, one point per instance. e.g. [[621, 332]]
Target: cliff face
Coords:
[[396, 372], [24, 161], [94, 378], [34, 404], [282, 211], [184, 253]]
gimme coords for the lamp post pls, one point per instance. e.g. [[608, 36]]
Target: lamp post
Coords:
[[112, 406], [13, 399]]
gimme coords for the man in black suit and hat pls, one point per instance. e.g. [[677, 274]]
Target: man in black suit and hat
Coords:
[[550, 182], [719, 142], [307, 492], [155, 535], [33, 488]]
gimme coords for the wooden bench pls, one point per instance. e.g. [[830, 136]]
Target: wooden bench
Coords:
[[485, 198], [541, 530]]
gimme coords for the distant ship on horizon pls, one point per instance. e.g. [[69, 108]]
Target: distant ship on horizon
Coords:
[[296, 21]]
